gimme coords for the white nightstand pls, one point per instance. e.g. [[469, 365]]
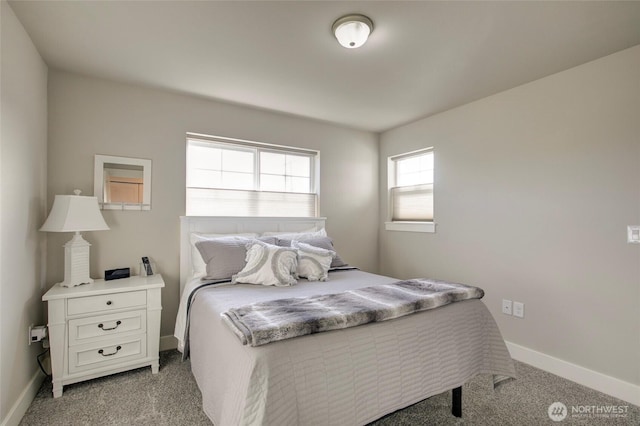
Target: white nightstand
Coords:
[[103, 328]]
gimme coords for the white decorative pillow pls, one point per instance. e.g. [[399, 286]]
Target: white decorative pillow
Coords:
[[268, 264], [299, 236], [313, 262], [322, 242], [198, 265]]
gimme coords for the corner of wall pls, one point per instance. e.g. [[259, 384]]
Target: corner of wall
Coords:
[[23, 166]]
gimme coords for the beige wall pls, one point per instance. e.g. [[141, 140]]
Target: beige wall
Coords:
[[23, 170], [89, 116], [535, 187]]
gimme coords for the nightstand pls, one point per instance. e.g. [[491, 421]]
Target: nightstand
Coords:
[[103, 328]]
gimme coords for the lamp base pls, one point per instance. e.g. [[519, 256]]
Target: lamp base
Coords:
[[76, 262]]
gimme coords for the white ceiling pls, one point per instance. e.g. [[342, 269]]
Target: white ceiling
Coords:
[[422, 58]]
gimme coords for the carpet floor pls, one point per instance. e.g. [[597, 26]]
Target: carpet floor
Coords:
[[171, 397]]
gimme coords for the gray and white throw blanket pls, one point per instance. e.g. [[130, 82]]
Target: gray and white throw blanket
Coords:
[[261, 323]]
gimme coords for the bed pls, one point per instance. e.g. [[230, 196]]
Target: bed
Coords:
[[345, 377]]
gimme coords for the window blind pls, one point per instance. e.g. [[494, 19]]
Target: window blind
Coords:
[[412, 203], [229, 202]]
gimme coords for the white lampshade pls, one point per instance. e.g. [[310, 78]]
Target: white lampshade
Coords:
[[71, 213], [352, 31], [74, 213]]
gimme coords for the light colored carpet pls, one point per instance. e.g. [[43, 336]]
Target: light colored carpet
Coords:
[[172, 398]]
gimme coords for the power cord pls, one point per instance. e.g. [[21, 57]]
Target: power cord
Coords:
[[40, 363]]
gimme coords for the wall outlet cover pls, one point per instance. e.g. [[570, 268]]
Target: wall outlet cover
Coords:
[[506, 306], [518, 309]]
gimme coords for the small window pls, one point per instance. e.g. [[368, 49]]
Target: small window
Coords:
[[411, 182], [228, 177]]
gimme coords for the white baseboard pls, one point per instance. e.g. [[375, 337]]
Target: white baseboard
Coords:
[[24, 401], [592, 379], [168, 343]]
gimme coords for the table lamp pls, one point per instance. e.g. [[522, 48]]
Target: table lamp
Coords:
[[75, 213]]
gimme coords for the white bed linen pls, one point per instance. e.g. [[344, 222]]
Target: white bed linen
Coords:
[[181, 319], [342, 377]]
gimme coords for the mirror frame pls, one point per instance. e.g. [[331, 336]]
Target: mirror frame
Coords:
[[98, 182]]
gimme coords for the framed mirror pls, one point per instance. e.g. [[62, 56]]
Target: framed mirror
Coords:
[[122, 183]]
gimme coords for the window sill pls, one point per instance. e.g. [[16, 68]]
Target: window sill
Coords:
[[411, 226]]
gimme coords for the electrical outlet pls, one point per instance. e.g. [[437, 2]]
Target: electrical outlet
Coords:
[[37, 333], [29, 335], [518, 309], [506, 306]]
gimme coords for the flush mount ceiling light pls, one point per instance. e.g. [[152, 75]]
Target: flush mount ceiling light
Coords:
[[352, 30]]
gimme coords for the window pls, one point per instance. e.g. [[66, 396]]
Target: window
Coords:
[[411, 191], [229, 177]]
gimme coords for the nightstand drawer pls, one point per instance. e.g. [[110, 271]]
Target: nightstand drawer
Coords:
[[106, 302], [84, 330], [98, 355]]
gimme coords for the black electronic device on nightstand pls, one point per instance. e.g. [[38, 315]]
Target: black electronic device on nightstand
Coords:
[[114, 274]]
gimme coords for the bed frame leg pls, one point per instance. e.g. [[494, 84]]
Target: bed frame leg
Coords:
[[456, 402]]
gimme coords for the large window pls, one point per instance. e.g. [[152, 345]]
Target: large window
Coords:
[[411, 191], [228, 177]]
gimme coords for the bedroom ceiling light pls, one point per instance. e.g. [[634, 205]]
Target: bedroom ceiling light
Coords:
[[352, 31]]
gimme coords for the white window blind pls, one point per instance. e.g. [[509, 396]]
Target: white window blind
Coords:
[[411, 187], [412, 203], [228, 177]]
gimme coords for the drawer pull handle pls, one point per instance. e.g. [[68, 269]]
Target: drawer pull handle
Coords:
[[101, 352], [109, 302], [112, 328]]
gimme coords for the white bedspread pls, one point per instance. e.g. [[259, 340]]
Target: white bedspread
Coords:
[[343, 377]]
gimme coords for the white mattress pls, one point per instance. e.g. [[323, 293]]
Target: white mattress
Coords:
[[342, 377]]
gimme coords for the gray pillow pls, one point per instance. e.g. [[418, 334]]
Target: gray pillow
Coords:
[[226, 257], [322, 242]]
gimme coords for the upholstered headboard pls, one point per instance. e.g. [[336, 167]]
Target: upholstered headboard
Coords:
[[235, 225]]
